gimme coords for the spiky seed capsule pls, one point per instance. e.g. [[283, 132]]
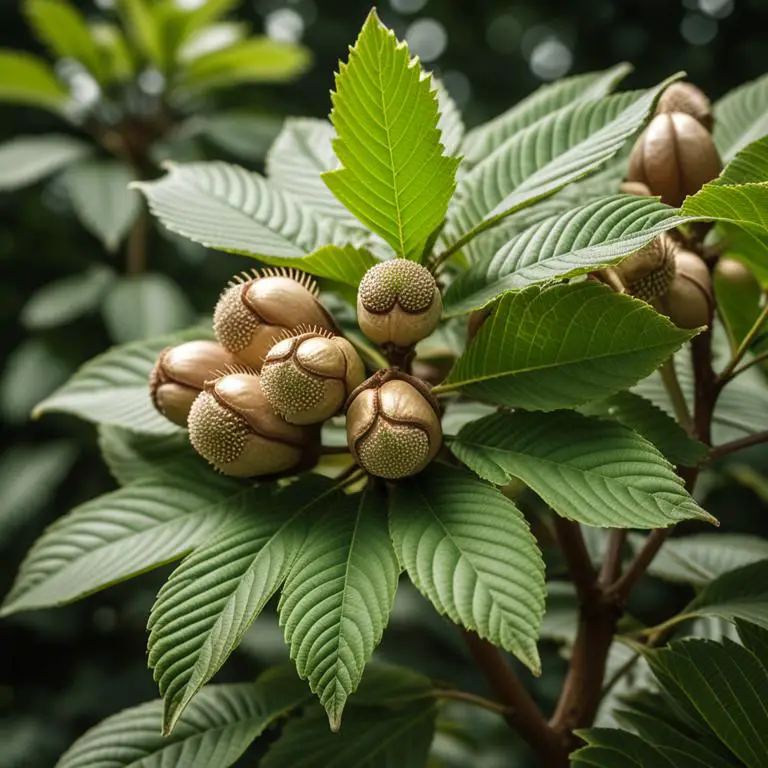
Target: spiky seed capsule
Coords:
[[674, 157], [232, 425], [634, 188], [398, 303], [393, 425], [689, 301], [254, 310], [308, 377], [180, 374], [649, 272], [687, 98]]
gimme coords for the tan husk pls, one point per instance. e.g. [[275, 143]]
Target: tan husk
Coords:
[[689, 302], [649, 272], [687, 98]]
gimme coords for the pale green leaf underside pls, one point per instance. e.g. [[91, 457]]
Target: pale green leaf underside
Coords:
[[741, 117], [469, 550], [580, 240], [123, 534], [215, 731], [597, 472], [113, 388], [394, 175], [27, 79], [450, 123], [481, 141], [533, 353], [27, 159], [213, 597], [337, 598]]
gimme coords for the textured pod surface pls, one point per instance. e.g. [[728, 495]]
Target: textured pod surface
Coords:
[[689, 301], [180, 374], [233, 426], [674, 157], [307, 378], [393, 426], [398, 303], [649, 272], [687, 98], [255, 310]]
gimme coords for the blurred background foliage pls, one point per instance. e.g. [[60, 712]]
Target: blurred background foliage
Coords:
[[62, 671]]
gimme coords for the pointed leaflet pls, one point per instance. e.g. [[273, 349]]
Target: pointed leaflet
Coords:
[[394, 176], [123, 534], [597, 472], [469, 550], [741, 116], [613, 748], [28, 79], [215, 731], [338, 596], [742, 204], [577, 241], [28, 159], [213, 597], [481, 141], [562, 346]]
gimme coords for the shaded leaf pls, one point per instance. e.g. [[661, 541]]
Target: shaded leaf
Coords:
[[27, 79], [145, 29], [741, 116], [611, 748], [246, 134], [743, 204], [27, 159], [343, 264]]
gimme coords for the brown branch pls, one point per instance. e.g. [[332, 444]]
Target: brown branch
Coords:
[[521, 712], [138, 244], [577, 559], [761, 358], [620, 589], [612, 561], [737, 445], [470, 698]]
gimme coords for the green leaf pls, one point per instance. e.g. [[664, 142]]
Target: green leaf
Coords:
[[29, 476], [144, 306], [113, 388], [597, 472], [213, 597], [101, 197], [246, 134], [449, 123], [338, 596], [612, 748], [481, 141], [226, 207], [541, 159], [741, 117], [750, 165], [394, 176], [143, 23], [28, 159], [469, 550], [343, 264], [64, 31], [371, 738], [125, 533], [202, 15], [738, 305], [61, 301], [255, 60], [647, 419], [575, 242], [27, 79], [699, 559], [744, 204], [113, 48], [754, 638], [562, 346], [215, 731], [751, 248]]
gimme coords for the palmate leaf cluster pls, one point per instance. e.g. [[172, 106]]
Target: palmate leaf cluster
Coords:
[[509, 217]]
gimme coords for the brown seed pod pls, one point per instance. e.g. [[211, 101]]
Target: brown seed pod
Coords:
[[674, 157], [308, 377], [393, 425], [180, 374], [689, 301], [634, 188], [255, 309], [398, 303], [687, 98], [233, 426], [649, 272], [736, 273]]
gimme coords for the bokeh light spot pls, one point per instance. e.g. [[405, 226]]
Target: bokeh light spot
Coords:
[[426, 39]]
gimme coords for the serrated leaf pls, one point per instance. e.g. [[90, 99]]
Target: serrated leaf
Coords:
[[145, 306], [101, 197], [743, 204], [25, 160], [541, 159], [213, 597], [247, 134], [27, 79], [61, 301], [754, 638], [215, 731], [450, 123], [741, 116], [226, 207], [612, 748], [469, 550], [751, 248], [371, 738], [575, 242], [123, 534], [749, 165], [596, 472], [64, 31], [481, 141], [647, 419], [338, 596], [394, 175], [113, 388], [562, 346], [699, 559]]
